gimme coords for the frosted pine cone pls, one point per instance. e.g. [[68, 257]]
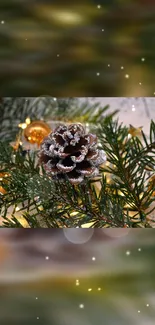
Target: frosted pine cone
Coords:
[[68, 151]]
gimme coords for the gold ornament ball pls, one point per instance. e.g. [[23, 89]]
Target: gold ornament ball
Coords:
[[36, 131], [2, 190]]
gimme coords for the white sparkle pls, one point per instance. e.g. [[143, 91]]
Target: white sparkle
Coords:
[[93, 258], [99, 7], [2, 21], [47, 257], [128, 253], [90, 289], [54, 99], [122, 68], [147, 305], [140, 83], [37, 317], [138, 311], [17, 209], [81, 306], [108, 65], [133, 108], [98, 73], [99, 289], [36, 298], [77, 283], [154, 93], [142, 59], [139, 249], [127, 76], [58, 55], [102, 30]]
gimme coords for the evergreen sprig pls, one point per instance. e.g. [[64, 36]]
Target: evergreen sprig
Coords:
[[44, 202], [14, 111]]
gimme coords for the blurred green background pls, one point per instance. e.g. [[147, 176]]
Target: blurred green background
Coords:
[[121, 279], [78, 48]]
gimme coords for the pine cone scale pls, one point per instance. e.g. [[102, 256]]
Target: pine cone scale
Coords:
[[66, 165], [92, 154]]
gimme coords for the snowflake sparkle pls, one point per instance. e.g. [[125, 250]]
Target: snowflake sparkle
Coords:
[[81, 306], [47, 258]]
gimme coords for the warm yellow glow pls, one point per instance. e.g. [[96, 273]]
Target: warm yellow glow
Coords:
[[27, 121], [22, 125], [25, 124], [41, 208], [74, 214], [69, 18], [120, 193], [23, 222], [61, 16], [87, 225]]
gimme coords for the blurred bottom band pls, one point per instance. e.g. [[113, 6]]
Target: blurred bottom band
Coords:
[[48, 276]]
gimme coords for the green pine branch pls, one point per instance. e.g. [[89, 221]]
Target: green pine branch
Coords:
[[48, 203], [14, 111]]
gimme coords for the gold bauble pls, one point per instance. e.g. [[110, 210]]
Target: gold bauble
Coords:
[[36, 131], [2, 190]]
